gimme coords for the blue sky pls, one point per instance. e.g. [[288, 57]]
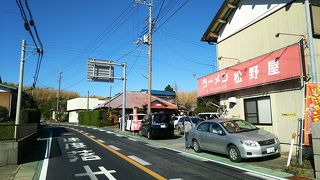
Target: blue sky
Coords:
[[74, 30]]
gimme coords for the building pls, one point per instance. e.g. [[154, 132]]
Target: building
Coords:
[[138, 100], [264, 62], [78, 104], [8, 99]]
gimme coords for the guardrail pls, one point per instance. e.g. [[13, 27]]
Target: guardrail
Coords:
[[23, 130]]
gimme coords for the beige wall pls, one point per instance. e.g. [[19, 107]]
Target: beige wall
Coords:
[[5, 99]]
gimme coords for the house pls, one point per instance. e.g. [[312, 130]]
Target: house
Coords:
[[165, 95], [8, 99], [264, 62], [138, 100], [78, 104]]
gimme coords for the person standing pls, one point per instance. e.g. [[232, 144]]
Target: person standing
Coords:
[[187, 127]]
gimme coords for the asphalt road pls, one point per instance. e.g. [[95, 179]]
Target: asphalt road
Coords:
[[91, 153]]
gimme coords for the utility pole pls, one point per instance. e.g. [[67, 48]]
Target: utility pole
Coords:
[[58, 95], [22, 60], [310, 42], [150, 57], [148, 41]]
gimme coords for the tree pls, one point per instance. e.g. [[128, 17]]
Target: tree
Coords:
[[169, 88]]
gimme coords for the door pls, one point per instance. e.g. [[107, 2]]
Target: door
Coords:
[[217, 138], [202, 135]]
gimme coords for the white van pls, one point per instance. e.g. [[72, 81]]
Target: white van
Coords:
[[209, 115], [133, 125]]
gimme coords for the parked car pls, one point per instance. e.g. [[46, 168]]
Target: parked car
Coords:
[[234, 137], [131, 124], [176, 119], [209, 115], [157, 125], [193, 119]]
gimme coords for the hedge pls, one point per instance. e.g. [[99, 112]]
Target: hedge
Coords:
[[97, 118], [30, 116]]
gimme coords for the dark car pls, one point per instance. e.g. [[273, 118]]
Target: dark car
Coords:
[[157, 125]]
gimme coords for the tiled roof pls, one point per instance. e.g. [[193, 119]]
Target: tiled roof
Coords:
[[135, 99]]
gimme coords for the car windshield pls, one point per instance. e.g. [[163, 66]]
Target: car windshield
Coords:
[[196, 120], [236, 126], [161, 118]]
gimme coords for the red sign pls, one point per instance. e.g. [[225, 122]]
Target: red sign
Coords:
[[312, 110], [278, 65]]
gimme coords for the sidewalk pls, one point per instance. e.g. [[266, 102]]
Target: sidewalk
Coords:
[[25, 171]]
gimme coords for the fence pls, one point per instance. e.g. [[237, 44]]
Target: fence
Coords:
[[23, 130]]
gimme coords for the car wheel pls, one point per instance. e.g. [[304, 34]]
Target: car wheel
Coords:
[[179, 131], [149, 135], [234, 154], [196, 146]]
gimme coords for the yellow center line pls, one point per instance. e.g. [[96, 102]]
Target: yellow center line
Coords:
[[143, 168]]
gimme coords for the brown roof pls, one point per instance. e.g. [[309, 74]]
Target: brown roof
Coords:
[[137, 99]]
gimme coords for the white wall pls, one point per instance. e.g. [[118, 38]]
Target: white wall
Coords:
[[249, 12], [73, 117], [81, 103]]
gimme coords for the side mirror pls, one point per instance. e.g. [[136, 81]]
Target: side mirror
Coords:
[[221, 133]]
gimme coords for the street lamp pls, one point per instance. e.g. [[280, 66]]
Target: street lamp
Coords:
[[291, 34], [231, 58]]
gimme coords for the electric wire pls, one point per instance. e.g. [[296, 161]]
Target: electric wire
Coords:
[[172, 15]]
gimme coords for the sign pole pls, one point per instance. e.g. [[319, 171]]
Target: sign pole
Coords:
[[124, 97]]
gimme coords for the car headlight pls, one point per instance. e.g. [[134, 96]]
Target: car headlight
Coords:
[[250, 143]]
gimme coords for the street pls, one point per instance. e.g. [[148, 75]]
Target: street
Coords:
[[92, 153]]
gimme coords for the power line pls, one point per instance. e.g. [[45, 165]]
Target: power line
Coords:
[[172, 15]]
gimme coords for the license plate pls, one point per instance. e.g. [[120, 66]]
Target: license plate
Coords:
[[163, 126], [270, 150]]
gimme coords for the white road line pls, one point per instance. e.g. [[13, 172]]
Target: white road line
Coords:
[[102, 130], [102, 141], [236, 167], [119, 135], [192, 156], [176, 179], [110, 132], [114, 148], [256, 175], [92, 136], [154, 146], [140, 161], [44, 169], [131, 139]]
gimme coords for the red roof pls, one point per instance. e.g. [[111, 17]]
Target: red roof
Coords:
[[137, 99]]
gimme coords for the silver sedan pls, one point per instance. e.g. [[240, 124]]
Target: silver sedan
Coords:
[[234, 137]]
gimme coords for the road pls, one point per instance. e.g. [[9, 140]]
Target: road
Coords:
[[92, 153]]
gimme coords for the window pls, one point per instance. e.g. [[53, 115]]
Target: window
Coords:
[[315, 18], [204, 127], [258, 110], [215, 128]]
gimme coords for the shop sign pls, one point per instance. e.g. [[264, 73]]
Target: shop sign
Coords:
[[279, 65], [312, 110]]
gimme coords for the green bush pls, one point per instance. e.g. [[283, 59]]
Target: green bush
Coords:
[[3, 113], [97, 118], [30, 116]]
